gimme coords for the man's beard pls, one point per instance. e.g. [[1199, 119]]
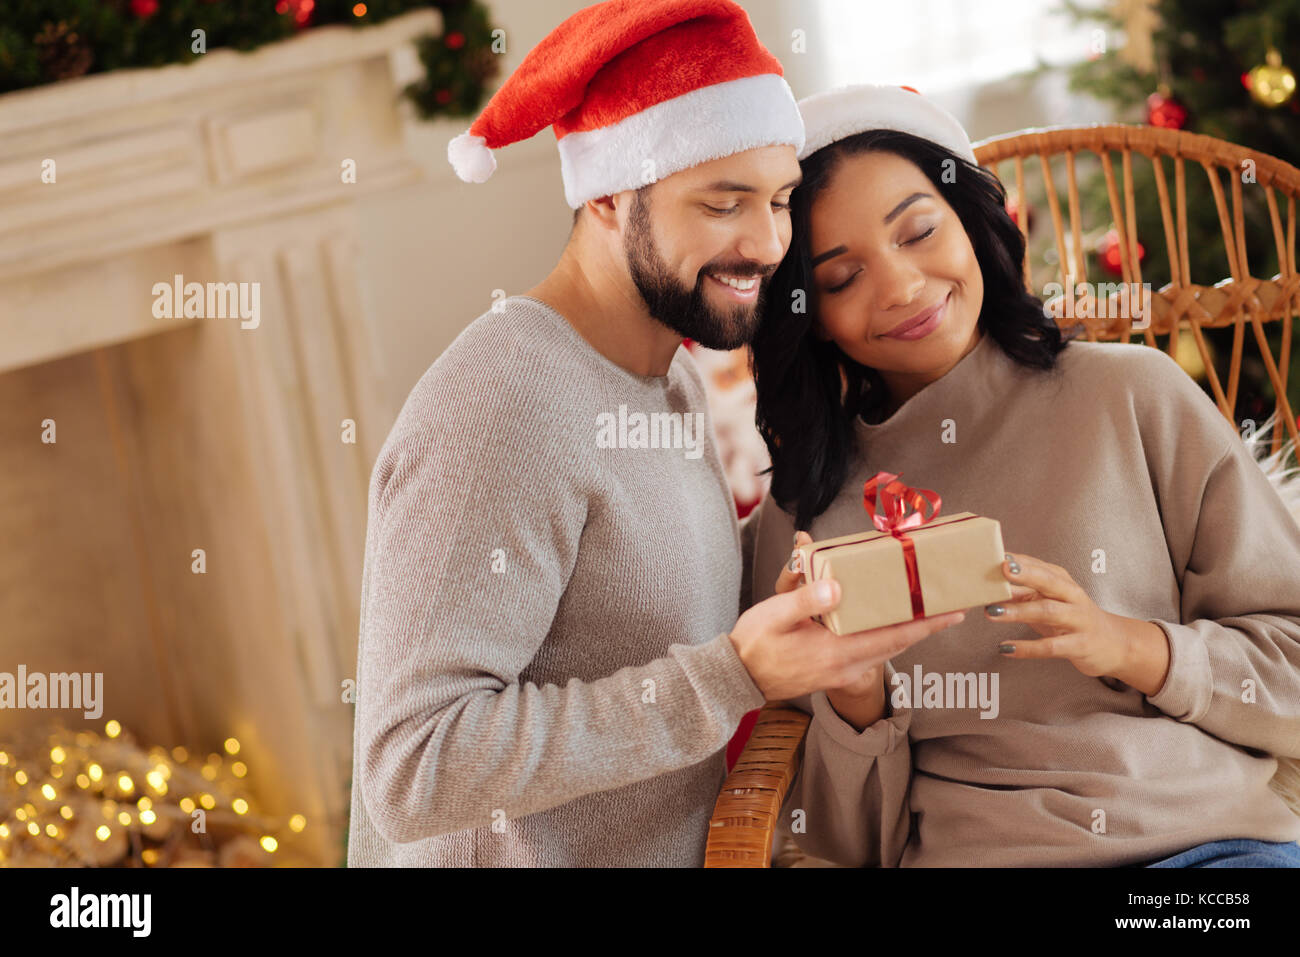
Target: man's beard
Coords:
[[688, 312]]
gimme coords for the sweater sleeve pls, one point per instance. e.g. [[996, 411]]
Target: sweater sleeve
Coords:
[[1234, 667], [476, 512], [852, 786]]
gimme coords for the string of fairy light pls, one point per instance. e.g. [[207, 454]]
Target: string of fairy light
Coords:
[[86, 800]]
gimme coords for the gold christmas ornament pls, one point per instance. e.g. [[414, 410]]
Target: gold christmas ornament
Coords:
[[1187, 355], [1272, 83]]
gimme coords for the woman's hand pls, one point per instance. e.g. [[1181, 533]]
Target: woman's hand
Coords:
[[791, 576], [1096, 642]]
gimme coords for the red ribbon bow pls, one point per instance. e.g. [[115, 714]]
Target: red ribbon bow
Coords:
[[895, 498]]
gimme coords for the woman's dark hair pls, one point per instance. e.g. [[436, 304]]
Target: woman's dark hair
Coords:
[[809, 391]]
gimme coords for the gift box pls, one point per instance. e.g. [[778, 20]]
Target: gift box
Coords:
[[913, 565]]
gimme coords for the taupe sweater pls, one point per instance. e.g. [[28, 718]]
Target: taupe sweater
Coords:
[[1117, 452], [544, 674]]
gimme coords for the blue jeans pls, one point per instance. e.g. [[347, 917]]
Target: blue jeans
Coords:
[[1238, 852]]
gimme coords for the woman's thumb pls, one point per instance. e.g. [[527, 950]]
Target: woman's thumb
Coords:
[[792, 572]]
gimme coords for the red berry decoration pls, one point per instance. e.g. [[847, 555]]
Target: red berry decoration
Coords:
[[1014, 207], [1165, 111], [1108, 253], [443, 97], [144, 8], [454, 41]]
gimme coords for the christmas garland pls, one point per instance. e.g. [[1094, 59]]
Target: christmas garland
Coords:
[[46, 41]]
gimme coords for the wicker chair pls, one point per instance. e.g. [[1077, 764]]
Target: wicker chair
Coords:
[[745, 817]]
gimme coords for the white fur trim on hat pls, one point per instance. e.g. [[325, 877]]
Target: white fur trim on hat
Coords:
[[842, 112], [702, 125], [471, 158]]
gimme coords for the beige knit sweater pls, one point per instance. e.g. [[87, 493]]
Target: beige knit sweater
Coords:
[[544, 674], [1119, 469]]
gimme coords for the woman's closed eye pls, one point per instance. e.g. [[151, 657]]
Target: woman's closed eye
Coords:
[[845, 284]]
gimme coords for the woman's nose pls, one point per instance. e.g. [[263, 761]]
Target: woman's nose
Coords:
[[897, 281]]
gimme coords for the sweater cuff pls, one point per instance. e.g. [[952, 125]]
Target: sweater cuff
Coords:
[[1189, 684], [882, 737], [728, 678]]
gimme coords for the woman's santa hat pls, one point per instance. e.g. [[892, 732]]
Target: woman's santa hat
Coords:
[[849, 110], [638, 90]]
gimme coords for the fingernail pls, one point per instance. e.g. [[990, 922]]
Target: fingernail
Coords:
[[994, 610], [1007, 649], [1015, 566], [795, 541], [824, 593]]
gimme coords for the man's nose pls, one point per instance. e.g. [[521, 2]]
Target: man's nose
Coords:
[[762, 241]]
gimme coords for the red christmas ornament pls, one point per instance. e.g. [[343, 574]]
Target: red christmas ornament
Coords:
[[1165, 111], [454, 41], [1108, 253], [300, 10], [1013, 207], [144, 8]]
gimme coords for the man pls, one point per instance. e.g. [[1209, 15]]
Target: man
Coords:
[[550, 661]]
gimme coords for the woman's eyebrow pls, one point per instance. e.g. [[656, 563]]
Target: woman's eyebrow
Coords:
[[830, 253], [893, 215], [898, 210]]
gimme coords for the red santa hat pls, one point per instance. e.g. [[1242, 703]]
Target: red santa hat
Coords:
[[848, 110], [638, 90]]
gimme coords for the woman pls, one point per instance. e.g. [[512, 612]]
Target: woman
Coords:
[[1147, 668]]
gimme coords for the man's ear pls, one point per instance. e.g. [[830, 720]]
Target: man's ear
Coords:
[[603, 211]]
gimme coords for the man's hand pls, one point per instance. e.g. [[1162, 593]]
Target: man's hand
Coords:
[[789, 655]]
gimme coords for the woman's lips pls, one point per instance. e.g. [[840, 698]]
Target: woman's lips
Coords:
[[920, 326]]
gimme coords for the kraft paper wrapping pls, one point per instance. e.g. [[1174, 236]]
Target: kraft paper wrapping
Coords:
[[958, 558]]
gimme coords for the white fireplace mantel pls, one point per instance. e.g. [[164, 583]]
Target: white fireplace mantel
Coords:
[[144, 158]]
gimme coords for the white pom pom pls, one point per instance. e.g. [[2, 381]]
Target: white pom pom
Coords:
[[471, 158]]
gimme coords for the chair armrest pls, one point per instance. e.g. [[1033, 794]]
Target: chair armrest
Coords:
[[744, 817]]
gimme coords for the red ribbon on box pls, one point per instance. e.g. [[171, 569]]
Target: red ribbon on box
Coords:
[[895, 498]]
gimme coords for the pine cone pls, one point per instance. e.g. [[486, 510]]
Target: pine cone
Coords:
[[62, 52]]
